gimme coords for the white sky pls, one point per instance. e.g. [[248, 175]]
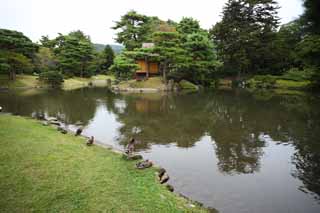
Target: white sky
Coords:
[[95, 17]]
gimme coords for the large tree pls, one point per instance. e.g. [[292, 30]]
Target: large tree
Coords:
[[75, 53], [245, 35], [107, 57], [312, 15], [134, 29], [17, 52]]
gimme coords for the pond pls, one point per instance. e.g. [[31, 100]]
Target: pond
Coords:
[[232, 150]]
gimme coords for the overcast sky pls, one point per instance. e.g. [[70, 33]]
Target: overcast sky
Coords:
[[95, 17]]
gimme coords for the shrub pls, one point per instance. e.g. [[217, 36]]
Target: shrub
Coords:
[[295, 74], [123, 67], [53, 78], [262, 81]]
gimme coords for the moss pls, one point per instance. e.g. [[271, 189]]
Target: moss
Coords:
[[43, 170]]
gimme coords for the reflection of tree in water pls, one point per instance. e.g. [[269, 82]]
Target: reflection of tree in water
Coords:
[[300, 124], [162, 120], [307, 164], [306, 141], [70, 107]]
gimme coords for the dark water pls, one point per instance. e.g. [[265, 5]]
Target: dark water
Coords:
[[231, 150]]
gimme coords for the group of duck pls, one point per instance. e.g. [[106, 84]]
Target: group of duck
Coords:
[[163, 176]]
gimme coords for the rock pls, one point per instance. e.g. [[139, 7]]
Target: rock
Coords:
[[170, 85], [132, 157], [165, 177], [78, 123], [52, 119], [62, 130], [45, 123], [57, 123], [191, 205], [170, 188], [109, 83]]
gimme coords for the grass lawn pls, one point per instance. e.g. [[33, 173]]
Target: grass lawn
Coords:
[[153, 82], [289, 84], [22, 81], [43, 170], [30, 81]]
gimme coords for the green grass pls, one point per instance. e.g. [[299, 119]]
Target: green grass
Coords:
[[29, 81], [43, 170], [22, 81], [289, 84], [153, 83], [77, 82]]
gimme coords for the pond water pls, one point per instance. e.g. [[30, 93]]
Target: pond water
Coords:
[[231, 150]]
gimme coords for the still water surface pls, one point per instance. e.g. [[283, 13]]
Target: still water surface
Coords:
[[231, 150]]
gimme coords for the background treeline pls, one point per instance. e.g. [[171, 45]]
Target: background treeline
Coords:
[[248, 41], [53, 59]]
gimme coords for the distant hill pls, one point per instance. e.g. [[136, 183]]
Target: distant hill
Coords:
[[116, 48]]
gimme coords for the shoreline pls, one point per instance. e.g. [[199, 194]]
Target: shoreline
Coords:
[[192, 205]]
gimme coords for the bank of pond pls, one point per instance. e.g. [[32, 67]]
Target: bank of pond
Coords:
[[44, 170]]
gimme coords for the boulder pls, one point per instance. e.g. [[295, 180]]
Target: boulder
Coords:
[[109, 83], [57, 123], [52, 119], [45, 123], [78, 123], [62, 130], [132, 157]]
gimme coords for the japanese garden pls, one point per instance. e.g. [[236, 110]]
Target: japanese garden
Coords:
[[171, 117]]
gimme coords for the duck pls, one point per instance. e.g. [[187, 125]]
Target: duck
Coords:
[[79, 131], [90, 141]]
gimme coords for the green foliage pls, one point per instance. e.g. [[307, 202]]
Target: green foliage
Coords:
[[107, 58], [123, 67], [45, 60], [246, 34], [188, 25], [312, 15], [187, 85], [75, 54], [295, 74], [309, 50], [262, 81], [134, 30], [13, 63], [53, 78], [16, 51]]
